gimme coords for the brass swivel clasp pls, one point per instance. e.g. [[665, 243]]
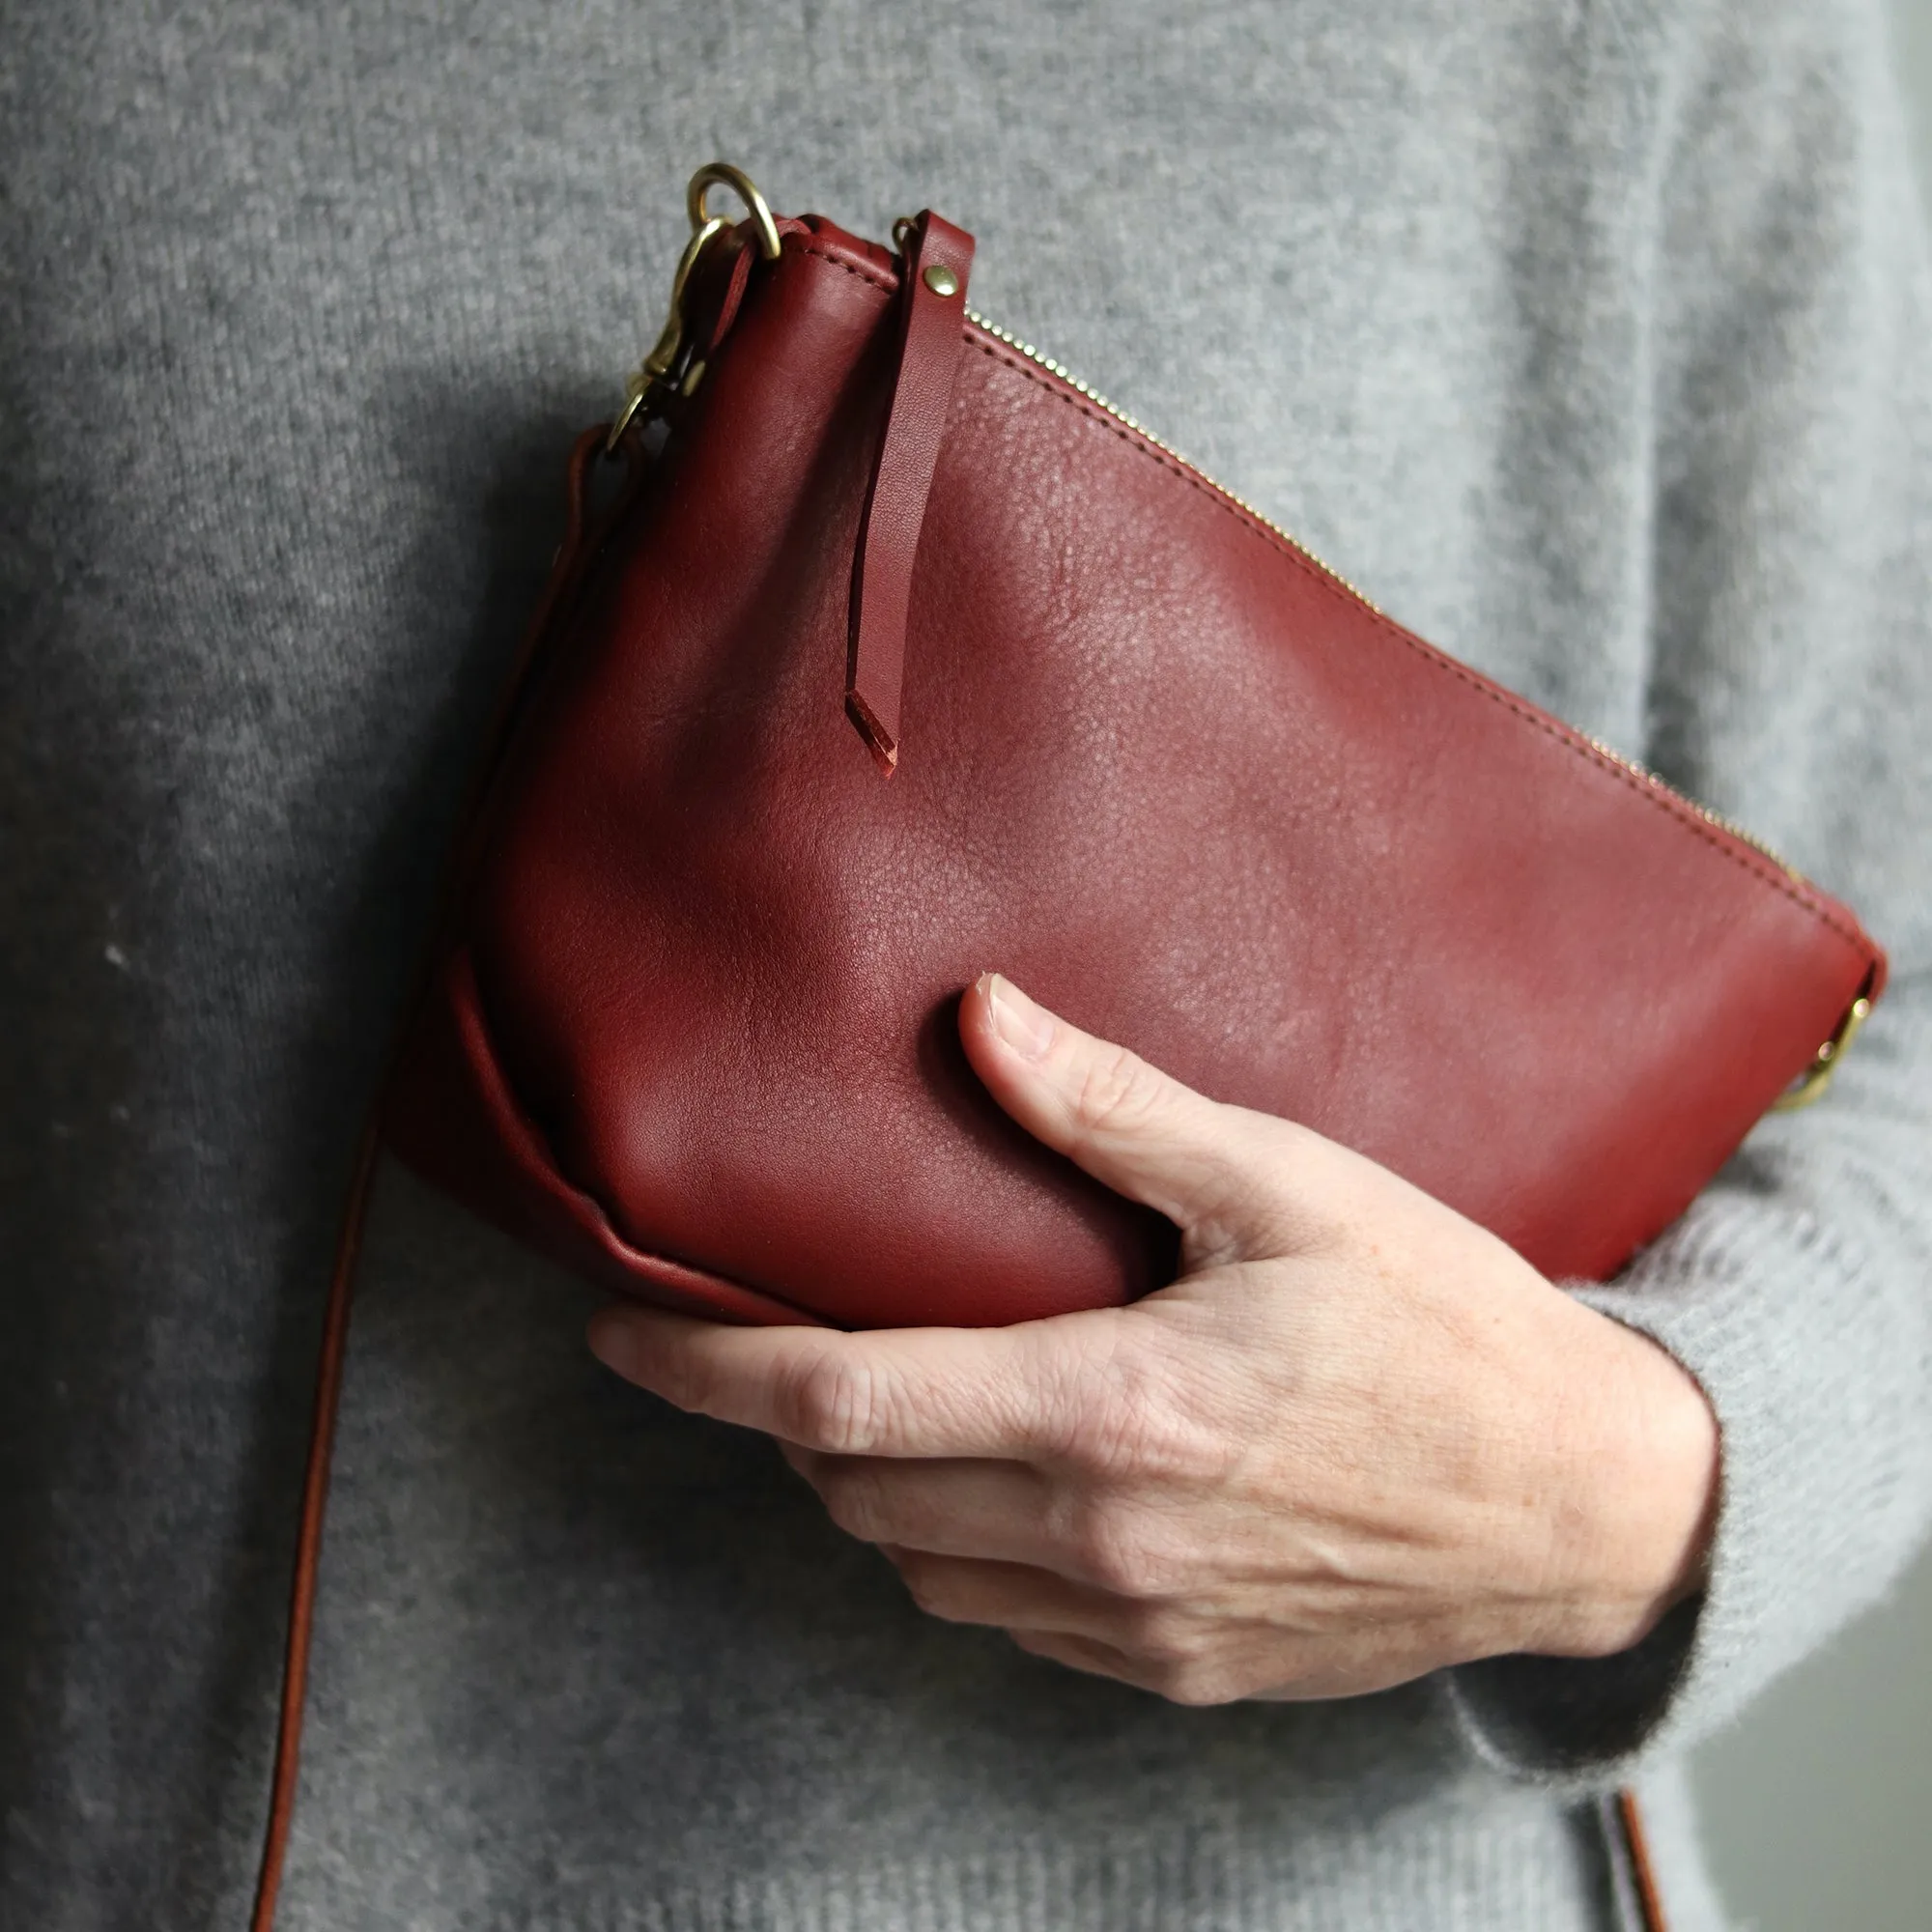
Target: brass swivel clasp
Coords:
[[669, 367]]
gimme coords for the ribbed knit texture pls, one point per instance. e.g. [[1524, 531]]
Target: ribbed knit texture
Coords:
[[1594, 339]]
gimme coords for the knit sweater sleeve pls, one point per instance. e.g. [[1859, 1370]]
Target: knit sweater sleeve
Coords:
[[1792, 687]]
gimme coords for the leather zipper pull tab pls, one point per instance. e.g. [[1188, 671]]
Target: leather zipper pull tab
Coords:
[[932, 315]]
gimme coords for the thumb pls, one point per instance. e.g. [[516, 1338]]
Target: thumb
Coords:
[[1220, 1174]]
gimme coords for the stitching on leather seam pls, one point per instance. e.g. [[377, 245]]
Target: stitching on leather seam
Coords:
[[1759, 868], [851, 268]]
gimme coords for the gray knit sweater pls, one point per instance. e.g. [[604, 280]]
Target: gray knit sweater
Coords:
[[1593, 337]]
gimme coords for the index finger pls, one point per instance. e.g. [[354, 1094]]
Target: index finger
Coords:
[[982, 1392]]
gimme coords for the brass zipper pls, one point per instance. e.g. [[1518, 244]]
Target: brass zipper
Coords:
[[1703, 811], [1092, 395], [1141, 429]]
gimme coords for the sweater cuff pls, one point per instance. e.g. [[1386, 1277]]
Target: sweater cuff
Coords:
[[1816, 1366]]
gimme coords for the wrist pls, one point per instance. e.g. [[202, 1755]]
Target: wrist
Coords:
[[1645, 1464]]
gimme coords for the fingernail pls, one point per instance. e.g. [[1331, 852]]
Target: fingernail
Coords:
[[1023, 1025], [610, 1342]]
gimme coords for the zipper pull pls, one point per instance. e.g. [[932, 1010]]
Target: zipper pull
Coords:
[[934, 260]]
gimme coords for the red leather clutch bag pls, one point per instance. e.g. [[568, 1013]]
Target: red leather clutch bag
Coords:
[[906, 656], [900, 655]]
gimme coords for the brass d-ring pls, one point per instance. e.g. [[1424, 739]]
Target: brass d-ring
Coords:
[[1816, 1077], [721, 174]]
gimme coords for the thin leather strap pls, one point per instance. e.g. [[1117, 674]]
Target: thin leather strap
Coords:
[[1633, 1888], [308, 1540], [740, 278], [1650, 1902], [932, 316], [583, 536]]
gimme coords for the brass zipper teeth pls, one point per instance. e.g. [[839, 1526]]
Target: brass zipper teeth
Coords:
[[1141, 429], [1167, 450], [1703, 811]]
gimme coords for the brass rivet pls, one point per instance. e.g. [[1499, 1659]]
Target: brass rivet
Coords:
[[941, 280], [693, 377]]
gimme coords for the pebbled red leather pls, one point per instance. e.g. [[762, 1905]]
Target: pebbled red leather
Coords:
[[689, 1026]]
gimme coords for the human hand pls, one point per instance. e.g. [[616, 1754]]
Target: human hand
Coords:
[[1359, 1439]]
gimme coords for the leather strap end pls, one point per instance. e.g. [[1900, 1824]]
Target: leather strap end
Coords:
[[931, 338], [879, 741]]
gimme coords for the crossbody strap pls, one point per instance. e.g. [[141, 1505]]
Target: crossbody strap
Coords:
[[308, 1537], [1639, 1904]]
